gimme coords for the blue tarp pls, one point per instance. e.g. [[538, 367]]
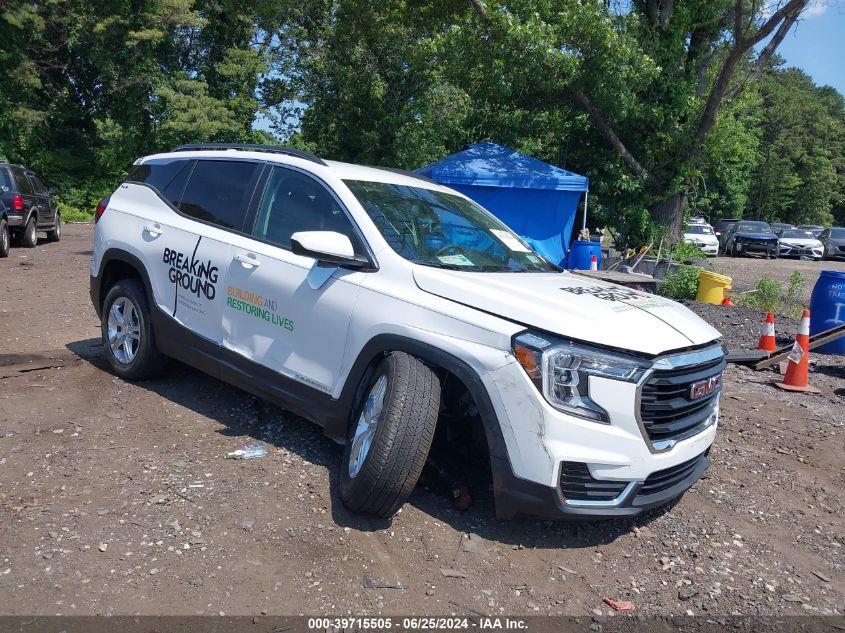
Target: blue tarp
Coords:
[[537, 200]]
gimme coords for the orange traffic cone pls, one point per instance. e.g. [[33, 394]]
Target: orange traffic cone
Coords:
[[727, 302], [767, 334], [797, 373], [594, 263]]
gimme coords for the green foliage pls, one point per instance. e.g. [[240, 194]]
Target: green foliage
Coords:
[[770, 296], [793, 298], [681, 283], [687, 250], [90, 86], [800, 177]]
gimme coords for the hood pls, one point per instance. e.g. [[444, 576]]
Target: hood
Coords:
[[750, 235], [574, 306], [800, 241]]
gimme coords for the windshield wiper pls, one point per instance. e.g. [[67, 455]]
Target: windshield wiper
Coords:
[[424, 262]]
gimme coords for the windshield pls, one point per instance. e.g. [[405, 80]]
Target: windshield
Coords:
[[837, 233], [753, 227], [697, 229], [799, 233], [444, 230]]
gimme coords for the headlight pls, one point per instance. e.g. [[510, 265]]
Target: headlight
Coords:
[[561, 370]]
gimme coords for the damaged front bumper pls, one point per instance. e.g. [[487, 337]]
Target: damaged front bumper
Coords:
[[560, 466]]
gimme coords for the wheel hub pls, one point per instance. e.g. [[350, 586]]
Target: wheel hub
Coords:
[[366, 428], [124, 330]]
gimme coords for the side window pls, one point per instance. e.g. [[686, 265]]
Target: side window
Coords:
[[294, 202], [22, 182], [37, 185], [5, 179], [218, 192], [167, 176]]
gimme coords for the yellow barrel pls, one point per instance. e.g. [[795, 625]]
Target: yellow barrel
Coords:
[[712, 286]]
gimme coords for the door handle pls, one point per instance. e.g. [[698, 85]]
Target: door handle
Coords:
[[248, 259], [153, 229]]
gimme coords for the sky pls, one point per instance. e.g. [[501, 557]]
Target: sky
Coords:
[[817, 44]]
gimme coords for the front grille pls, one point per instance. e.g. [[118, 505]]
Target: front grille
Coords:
[[662, 480], [577, 484], [667, 409]]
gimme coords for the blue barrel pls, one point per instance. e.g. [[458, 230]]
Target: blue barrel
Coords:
[[827, 308], [581, 254]]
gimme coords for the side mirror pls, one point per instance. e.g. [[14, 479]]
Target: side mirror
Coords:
[[53, 191], [327, 247]]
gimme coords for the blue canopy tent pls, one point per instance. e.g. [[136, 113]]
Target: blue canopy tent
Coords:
[[537, 200]]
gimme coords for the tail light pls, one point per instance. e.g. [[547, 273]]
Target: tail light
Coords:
[[101, 209], [17, 203]]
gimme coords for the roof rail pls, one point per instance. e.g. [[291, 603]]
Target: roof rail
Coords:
[[249, 147], [405, 172]]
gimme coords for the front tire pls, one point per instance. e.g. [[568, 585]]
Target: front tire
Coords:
[[55, 234], [390, 436], [127, 332], [4, 238], [28, 238]]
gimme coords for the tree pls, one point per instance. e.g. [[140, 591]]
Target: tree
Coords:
[[801, 175], [652, 79]]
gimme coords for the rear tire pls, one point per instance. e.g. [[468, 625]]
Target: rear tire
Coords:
[[4, 238], [127, 331], [55, 234], [399, 409], [28, 238]]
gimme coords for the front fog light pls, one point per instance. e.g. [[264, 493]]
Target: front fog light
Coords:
[[561, 370]]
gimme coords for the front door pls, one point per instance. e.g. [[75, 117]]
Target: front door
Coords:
[[280, 311]]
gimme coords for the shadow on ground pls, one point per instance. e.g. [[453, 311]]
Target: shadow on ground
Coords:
[[241, 414]]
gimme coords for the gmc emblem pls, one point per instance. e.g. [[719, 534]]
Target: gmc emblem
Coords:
[[705, 387]]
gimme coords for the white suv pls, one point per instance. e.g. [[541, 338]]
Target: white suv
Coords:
[[380, 305]]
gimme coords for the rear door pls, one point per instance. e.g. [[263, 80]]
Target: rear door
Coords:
[[47, 206], [46, 217], [181, 212]]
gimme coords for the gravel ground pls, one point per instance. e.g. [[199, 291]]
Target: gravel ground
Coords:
[[745, 271], [115, 498]]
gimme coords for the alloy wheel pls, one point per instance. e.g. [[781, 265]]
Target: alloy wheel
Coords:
[[367, 424], [124, 330]]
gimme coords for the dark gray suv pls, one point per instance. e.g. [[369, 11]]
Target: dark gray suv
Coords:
[[26, 206]]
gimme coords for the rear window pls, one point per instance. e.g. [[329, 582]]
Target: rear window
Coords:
[[218, 192]]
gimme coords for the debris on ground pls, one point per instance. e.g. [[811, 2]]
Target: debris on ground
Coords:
[[252, 450]]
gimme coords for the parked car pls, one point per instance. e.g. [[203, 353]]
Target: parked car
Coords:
[[799, 243], [30, 207], [721, 228], [815, 228], [750, 237], [702, 236], [777, 227], [833, 242], [384, 306]]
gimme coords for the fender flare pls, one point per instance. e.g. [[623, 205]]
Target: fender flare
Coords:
[[112, 255], [381, 345]]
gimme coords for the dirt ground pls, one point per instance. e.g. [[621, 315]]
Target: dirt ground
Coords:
[[115, 498], [746, 270]]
